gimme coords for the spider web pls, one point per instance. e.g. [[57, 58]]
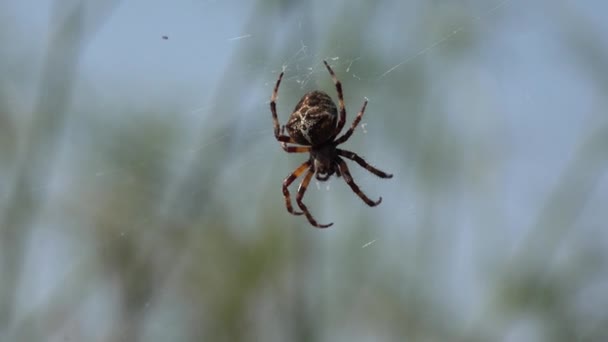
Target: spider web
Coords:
[[302, 67], [207, 163]]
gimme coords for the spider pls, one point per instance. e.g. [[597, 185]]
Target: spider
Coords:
[[315, 124]]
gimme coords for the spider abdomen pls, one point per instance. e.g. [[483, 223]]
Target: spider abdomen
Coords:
[[313, 121]]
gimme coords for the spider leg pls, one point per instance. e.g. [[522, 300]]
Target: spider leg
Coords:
[[353, 156], [350, 131], [295, 149], [342, 117], [300, 195], [349, 180], [273, 109], [287, 182]]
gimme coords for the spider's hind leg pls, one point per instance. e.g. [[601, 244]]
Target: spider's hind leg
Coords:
[[352, 128], [278, 133], [338, 84]]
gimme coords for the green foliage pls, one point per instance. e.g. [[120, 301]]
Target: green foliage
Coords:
[[121, 219]]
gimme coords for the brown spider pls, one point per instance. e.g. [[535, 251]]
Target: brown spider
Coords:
[[313, 125]]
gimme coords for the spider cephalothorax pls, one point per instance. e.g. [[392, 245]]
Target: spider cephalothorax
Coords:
[[315, 124]]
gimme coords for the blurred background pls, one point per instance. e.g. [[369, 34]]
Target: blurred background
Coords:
[[140, 182]]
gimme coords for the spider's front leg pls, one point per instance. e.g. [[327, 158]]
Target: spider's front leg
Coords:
[[287, 182], [349, 180], [300, 196], [353, 156]]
